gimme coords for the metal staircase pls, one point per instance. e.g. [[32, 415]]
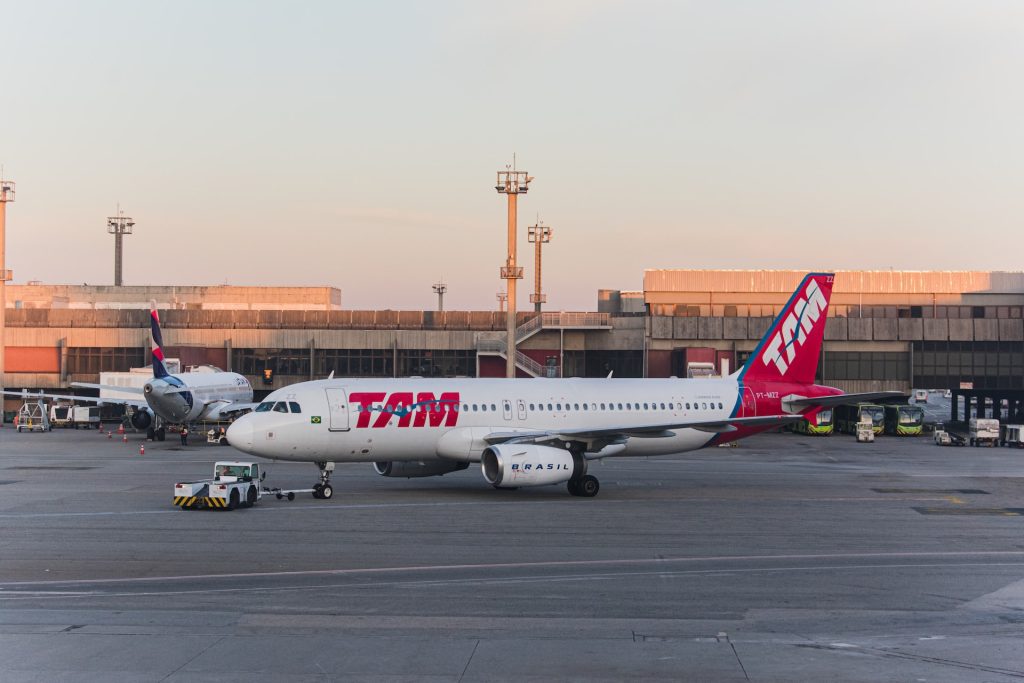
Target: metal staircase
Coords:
[[495, 344]]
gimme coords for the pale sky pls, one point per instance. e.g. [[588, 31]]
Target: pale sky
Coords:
[[355, 144]]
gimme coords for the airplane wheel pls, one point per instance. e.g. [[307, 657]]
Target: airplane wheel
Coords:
[[161, 434], [151, 434], [316, 491], [326, 492], [291, 496], [589, 486], [574, 487], [279, 496]]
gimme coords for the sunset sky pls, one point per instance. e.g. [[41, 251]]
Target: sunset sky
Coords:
[[356, 144]]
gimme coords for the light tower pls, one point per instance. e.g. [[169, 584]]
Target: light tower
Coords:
[[538, 234], [119, 226], [6, 195], [502, 298], [440, 288], [511, 183]]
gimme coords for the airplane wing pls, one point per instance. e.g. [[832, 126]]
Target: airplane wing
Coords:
[[128, 390], [141, 403], [843, 399], [604, 436]]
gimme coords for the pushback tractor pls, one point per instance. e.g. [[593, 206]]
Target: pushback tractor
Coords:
[[235, 484]]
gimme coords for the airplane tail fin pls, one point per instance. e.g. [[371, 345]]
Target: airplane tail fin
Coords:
[[790, 349], [159, 369]]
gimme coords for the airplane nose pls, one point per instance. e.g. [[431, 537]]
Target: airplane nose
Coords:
[[239, 435]]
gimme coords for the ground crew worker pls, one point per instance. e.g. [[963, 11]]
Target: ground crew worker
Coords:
[[184, 436]]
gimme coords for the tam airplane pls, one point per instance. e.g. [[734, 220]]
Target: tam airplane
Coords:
[[179, 398], [534, 432]]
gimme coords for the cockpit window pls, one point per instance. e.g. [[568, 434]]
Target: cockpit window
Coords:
[[294, 407], [264, 407], [280, 407]]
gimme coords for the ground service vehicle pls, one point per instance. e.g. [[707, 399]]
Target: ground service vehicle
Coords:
[[944, 438], [904, 420], [234, 484], [819, 424], [1011, 435], [865, 431], [983, 431], [32, 417], [848, 416]]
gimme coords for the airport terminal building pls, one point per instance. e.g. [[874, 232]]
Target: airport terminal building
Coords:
[[886, 330]]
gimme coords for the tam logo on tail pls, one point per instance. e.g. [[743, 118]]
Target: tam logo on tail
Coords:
[[791, 348], [795, 328]]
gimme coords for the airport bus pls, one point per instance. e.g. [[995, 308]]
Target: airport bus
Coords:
[[904, 420], [847, 417], [822, 425]]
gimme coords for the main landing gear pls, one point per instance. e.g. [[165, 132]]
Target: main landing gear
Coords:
[[324, 489], [581, 484]]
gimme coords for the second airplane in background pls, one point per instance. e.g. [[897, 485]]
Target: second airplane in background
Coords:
[[179, 398]]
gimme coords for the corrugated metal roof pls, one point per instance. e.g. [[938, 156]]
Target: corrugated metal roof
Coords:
[[847, 281]]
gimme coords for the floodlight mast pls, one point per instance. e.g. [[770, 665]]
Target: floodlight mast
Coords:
[[119, 226], [537, 235], [440, 288], [6, 195], [511, 183]]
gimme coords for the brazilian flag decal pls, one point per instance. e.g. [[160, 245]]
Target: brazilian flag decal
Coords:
[[314, 419]]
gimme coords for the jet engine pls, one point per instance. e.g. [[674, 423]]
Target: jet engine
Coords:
[[142, 418], [514, 465], [409, 470]]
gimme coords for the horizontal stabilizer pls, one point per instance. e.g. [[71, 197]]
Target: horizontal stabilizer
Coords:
[[844, 399]]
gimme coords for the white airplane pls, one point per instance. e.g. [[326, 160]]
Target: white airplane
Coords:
[[179, 398], [532, 432]]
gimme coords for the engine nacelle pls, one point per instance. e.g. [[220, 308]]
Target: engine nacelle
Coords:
[[142, 418], [513, 465], [410, 470]]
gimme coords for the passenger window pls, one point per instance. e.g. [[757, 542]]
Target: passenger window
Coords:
[[559, 406], [602, 406], [620, 406], [575, 406], [294, 407], [645, 406], [493, 407], [474, 407], [584, 406], [531, 406], [280, 407]]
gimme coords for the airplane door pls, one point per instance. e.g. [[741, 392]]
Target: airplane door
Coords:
[[749, 408], [337, 402], [506, 408], [521, 405]]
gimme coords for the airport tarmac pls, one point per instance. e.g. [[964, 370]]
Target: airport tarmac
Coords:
[[786, 558]]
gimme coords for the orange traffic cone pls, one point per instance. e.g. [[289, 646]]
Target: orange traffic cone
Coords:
[[124, 439], [120, 428], [142, 449], [110, 435]]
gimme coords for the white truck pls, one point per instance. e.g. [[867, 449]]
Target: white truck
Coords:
[[234, 484], [79, 417], [983, 431]]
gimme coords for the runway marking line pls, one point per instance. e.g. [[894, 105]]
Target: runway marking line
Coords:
[[524, 565]]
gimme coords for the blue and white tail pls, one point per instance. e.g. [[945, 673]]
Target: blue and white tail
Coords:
[[159, 369]]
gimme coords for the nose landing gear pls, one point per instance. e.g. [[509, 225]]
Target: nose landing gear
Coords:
[[324, 489]]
